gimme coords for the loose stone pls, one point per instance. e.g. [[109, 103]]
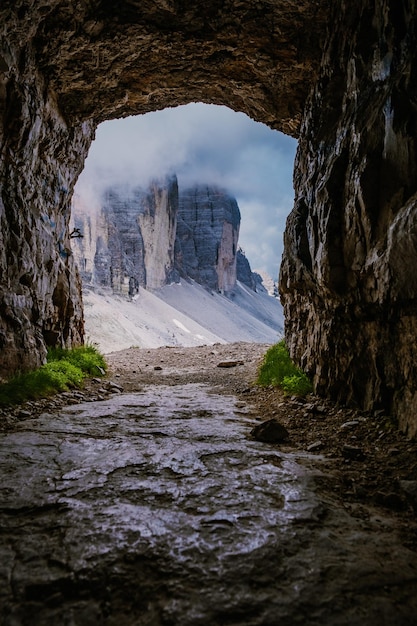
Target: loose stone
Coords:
[[314, 447], [229, 363], [270, 431], [352, 453], [349, 425]]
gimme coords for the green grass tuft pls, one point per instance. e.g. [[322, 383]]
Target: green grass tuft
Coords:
[[65, 369], [87, 358], [65, 373], [277, 369], [297, 385]]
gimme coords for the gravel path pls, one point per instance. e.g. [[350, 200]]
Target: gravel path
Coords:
[[367, 460], [122, 501]]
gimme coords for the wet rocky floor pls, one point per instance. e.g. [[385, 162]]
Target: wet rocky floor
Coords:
[[158, 508]]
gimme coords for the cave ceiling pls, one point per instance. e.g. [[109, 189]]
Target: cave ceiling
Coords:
[[104, 59]]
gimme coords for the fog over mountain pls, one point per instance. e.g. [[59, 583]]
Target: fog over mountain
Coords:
[[161, 266], [203, 143]]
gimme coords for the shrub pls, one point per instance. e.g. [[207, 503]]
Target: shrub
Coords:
[[87, 358], [277, 369], [64, 369]]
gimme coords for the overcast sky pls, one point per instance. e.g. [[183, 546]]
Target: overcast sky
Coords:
[[205, 144]]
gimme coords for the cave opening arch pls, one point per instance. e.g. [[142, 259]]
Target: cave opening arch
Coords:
[[196, 192], [340, 77], [66, 68]]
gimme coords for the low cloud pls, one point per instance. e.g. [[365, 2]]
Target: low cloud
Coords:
[[204, 144]]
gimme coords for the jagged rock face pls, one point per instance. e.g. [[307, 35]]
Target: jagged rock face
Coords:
[[207, 237], [158, 224], [127, 238], [348, 281], [265, 282], [150, 237], [112, 59], [244, 272], [40, 157], [349, 275], [110, 251], [119, 258]]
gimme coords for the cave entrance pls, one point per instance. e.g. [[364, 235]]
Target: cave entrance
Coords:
[[162, 163]]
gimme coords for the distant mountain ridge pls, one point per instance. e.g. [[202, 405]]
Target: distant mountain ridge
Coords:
[[153, 237], [163, 267]]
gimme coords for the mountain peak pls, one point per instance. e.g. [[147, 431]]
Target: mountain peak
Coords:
[[151, 237]]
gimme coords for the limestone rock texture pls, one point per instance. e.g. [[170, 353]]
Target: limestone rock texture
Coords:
[[108, 245], [207, 237], [125, 239], [339, 75], [244, 271], [136, 237], [158, 225], [349, 273], [40, 157]]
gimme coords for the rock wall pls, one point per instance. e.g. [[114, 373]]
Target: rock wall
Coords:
[[244, 272], [207, 237], [40, 157], [151, 237], [158, 225], [127, 239], [349, 274], [109, 250]]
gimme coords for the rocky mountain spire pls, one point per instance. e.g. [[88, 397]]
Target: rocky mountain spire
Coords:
[[150, 237], [207, 237]]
